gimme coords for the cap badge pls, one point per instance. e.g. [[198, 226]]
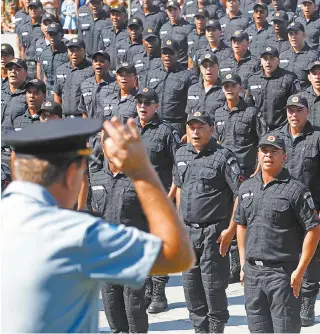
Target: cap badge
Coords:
[[150, 30], [116, 6], [207, 56], [75, 40], [52, 25], [228, 76], [124, 64], [34, 80], [14, 60], [198, 113], [47, 15], [3, 47], [145, 90], [295, 99], [238, 32], [317, 62], [211, 21], [268, 48], [200, 10], [134, 20], [292, 24], [48, 104], [169, 42], [271, 138], [278, 14]]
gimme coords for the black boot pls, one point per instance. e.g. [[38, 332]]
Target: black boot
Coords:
[[307, 311], [148, 292], [216, 327], [159, 300], [235, 267], [200, 330]]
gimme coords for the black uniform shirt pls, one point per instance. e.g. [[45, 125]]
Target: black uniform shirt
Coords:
[[281, 44], [179, 33], [208, 181], [155, 18], [93, 95], [127, 50], [49, 63], [240, 130], [244, 68], [20, 18], [298, 62], [313, 104], [28, 35], [68, 85], [172, 89], [109, 41], [196, 42], [41, 44], [200, 100], [303, 158], [161, 143], [312, 29], [115, 198], [276, 216], [123, 108], [90, 30], [270, 95], [24, 120]]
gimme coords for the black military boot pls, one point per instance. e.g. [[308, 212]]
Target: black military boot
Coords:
[[200, 330], [235, 267], [148, 292], [159, 300], [216, 327], [307, 311]]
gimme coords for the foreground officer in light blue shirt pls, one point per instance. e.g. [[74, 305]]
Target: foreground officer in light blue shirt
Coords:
[[53, 257]]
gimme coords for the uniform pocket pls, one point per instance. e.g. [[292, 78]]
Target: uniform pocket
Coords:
[[99, 198], [206, 184], [310, 160]]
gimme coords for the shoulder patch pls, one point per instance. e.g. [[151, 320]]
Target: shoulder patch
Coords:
[[176, 136], [307, 196], [234, 165]]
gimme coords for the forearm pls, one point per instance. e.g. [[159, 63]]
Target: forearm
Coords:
[[178, 197], [241, 240], [57, 98], [233, 225], [83, 194], [176, 254], [309, 246], [172, 192]]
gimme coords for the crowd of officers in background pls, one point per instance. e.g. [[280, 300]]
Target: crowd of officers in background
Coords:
[[205, 82]]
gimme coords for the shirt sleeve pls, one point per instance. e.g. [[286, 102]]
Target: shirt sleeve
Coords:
[[233, 173], [118, 254], [239, 214]]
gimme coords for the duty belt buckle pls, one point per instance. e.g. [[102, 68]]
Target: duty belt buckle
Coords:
[[258, 263]]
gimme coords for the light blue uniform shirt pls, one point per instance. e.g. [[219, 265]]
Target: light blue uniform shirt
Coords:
[[53, 259]]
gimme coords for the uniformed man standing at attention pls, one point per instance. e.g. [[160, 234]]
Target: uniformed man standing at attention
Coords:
[[69, 77], [274, 208], [303, 163], [77, 250], [207, 176]]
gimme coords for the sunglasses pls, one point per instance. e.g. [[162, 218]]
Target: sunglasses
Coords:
[[147, 103]]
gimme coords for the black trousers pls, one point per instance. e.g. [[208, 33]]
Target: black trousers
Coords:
[[270, 304], [124, 308], [310, 283], [206, 282]]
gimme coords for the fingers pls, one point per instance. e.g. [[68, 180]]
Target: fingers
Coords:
[[111, 128], [132, 127]]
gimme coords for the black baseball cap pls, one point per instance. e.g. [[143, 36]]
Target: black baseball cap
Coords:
[[200, 117], [234, 78], [302, 1], [262, 5], [35, 3], [54, 27], [127, 67], [314, 64], [76, 42], [272, 140], [18, 62], [48, 17], [103, 53], [65, 137], [174, 4], [149, 32], [201, 12], [38, 84], [295, 26], [271, 51], [7, 49], [215, 24], [297, 100], [170, 44], [119, 9], [148, 93], [53, 108], [135, 21], [240, 35], [280, 16], [209, 56]]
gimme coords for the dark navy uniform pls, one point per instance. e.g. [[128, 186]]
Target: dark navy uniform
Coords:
[[155, 18], [313, 104], [240, 130], [179, 33], [270, 94], [172, 89], [41, 45], [24, 120], [195, 42], [20, 18], [93, 95], [298, 62], [68, 85], [208, 180], [281, 44], [272, 214]]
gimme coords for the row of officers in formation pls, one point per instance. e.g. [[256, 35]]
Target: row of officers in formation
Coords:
[[233, 78]]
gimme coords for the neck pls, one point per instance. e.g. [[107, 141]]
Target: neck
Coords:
[[259, 25], [125, 92], [209, 84], [298, 48], [143, 123], [14, 87], [281, 35], [233, 13], [34, 20], [199, 31], [176, 21], [239, 56], [233, 103], [296, 131], [33, 111], [147, 10], [267, 178], [214, 45], [4, 73], [100, 78], [316, 90], [308, 17]]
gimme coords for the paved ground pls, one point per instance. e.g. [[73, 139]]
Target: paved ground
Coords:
[[176, 319]]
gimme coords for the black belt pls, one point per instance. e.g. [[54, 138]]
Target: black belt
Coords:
[[201, 225], [266, 263]]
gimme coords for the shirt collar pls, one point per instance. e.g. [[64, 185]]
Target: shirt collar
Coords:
[[210, 147], [154, 121], [242, 105], [308, 129], [32, 191], [283, 176], [275, 74]]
